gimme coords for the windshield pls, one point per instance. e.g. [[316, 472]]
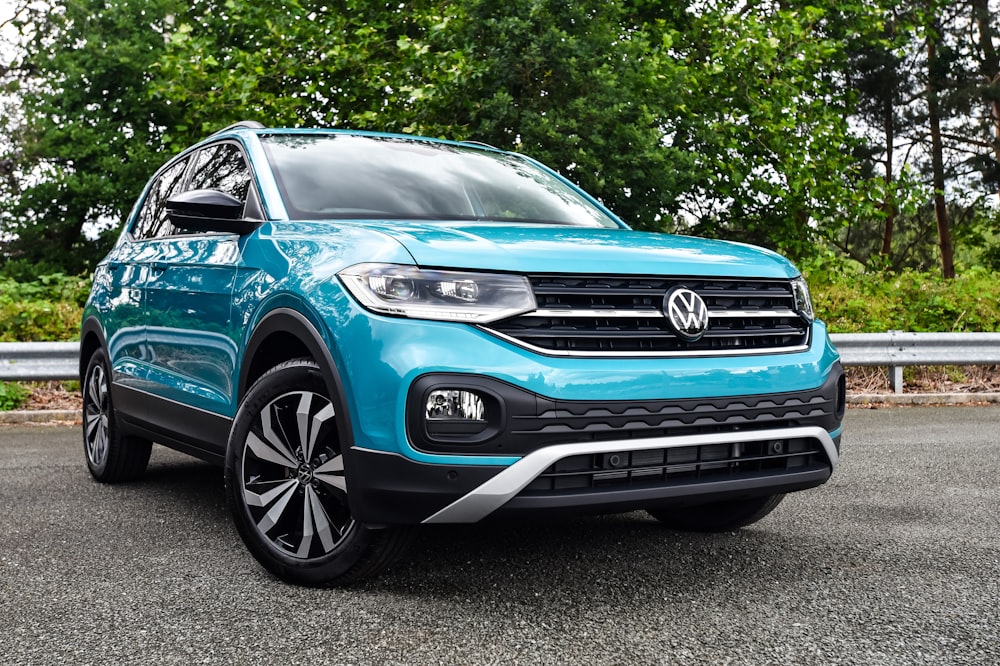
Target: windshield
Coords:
[[341, 176]]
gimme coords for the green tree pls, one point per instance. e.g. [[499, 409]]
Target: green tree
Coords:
[[719, 117], [587, 87], [90, 137], [768, 121], [352, 63]]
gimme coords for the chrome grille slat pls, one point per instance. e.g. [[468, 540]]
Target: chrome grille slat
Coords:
[[623, 316]]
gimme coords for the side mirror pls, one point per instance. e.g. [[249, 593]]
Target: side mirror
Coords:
[[208, 210]]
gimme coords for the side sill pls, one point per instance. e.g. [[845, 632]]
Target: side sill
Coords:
[[177, 426]]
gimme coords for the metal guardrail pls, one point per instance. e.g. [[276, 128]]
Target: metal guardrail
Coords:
[[897, 349], [40, 361]]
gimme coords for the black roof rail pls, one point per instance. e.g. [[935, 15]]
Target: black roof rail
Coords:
[[245, 124]]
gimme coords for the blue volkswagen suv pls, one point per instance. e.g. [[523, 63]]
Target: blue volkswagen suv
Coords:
[[372, 332]]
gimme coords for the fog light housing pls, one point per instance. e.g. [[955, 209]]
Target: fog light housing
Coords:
[[466, 414], [455, 405]]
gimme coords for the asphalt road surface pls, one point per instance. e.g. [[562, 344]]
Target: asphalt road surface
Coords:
[[895, 561]]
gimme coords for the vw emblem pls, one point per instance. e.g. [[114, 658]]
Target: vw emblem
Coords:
[[686, 312]]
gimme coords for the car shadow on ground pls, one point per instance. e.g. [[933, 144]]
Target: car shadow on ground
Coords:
[[525, 559]]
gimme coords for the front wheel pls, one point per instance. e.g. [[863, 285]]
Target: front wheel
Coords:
[[287, 485], [718, 516]]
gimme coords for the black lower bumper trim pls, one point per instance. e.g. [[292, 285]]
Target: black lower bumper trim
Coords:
[[631, 499], [389, 489], [519, 422]]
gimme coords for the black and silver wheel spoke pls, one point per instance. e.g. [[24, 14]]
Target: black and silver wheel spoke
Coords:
[[293, 476], [332, 473]]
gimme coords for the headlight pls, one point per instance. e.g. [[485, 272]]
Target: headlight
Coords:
[[413, 292], [803, 302]]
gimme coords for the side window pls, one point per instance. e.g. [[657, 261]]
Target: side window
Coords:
[[221, 167], [152, 220]]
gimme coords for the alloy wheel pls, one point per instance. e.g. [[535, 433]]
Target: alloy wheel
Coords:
[[292, 476], [96, 416]]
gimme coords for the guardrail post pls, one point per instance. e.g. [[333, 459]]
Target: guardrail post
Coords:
[[895, 371], [896, 378]]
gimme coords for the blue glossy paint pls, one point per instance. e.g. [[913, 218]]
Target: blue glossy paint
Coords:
[[560, 249]]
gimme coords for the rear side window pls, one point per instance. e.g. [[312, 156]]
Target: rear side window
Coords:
[[152, 220]]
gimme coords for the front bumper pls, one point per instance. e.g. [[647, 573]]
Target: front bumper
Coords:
[[646, 484], [402, 491], [690, 430], [733, 447]]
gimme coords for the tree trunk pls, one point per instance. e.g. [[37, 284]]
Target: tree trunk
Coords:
[[990, 69], [937, 155], [889, 208], [889, 205]]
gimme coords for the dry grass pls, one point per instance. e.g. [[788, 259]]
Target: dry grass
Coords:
[[54, 395], [927, 379]]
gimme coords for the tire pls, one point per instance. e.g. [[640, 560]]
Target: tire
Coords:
[[287, 487], [718, 516], [111, 457]]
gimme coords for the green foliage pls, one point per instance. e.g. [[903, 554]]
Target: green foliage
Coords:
[[585, 87], [718, 117], [353, 63], [45, 309], [91, 136], [12, 396], [767, 122], [854, 301]]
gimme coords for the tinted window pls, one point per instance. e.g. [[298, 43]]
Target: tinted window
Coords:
[[344, 176], [153, 220], [221, 167]]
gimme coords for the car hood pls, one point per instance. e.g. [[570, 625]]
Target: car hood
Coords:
[[536, 248]]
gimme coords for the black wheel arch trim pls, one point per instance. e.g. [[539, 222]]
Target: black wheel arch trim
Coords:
[[91, 326], [288, 321]]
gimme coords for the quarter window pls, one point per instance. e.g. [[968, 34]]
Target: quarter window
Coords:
[[153, 222]]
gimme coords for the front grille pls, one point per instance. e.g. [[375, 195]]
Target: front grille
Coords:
[[623, 316], [680, 466]]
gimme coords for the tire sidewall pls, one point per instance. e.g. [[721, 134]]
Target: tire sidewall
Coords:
[[290, 376]]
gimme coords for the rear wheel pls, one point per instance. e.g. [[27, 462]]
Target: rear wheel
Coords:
[[111, 457], [288, 488], [718, 516]]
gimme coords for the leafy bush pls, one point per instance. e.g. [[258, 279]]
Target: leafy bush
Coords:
[[53, 287], [47, 308], [12, 396], [849, 299], [856, 302]]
